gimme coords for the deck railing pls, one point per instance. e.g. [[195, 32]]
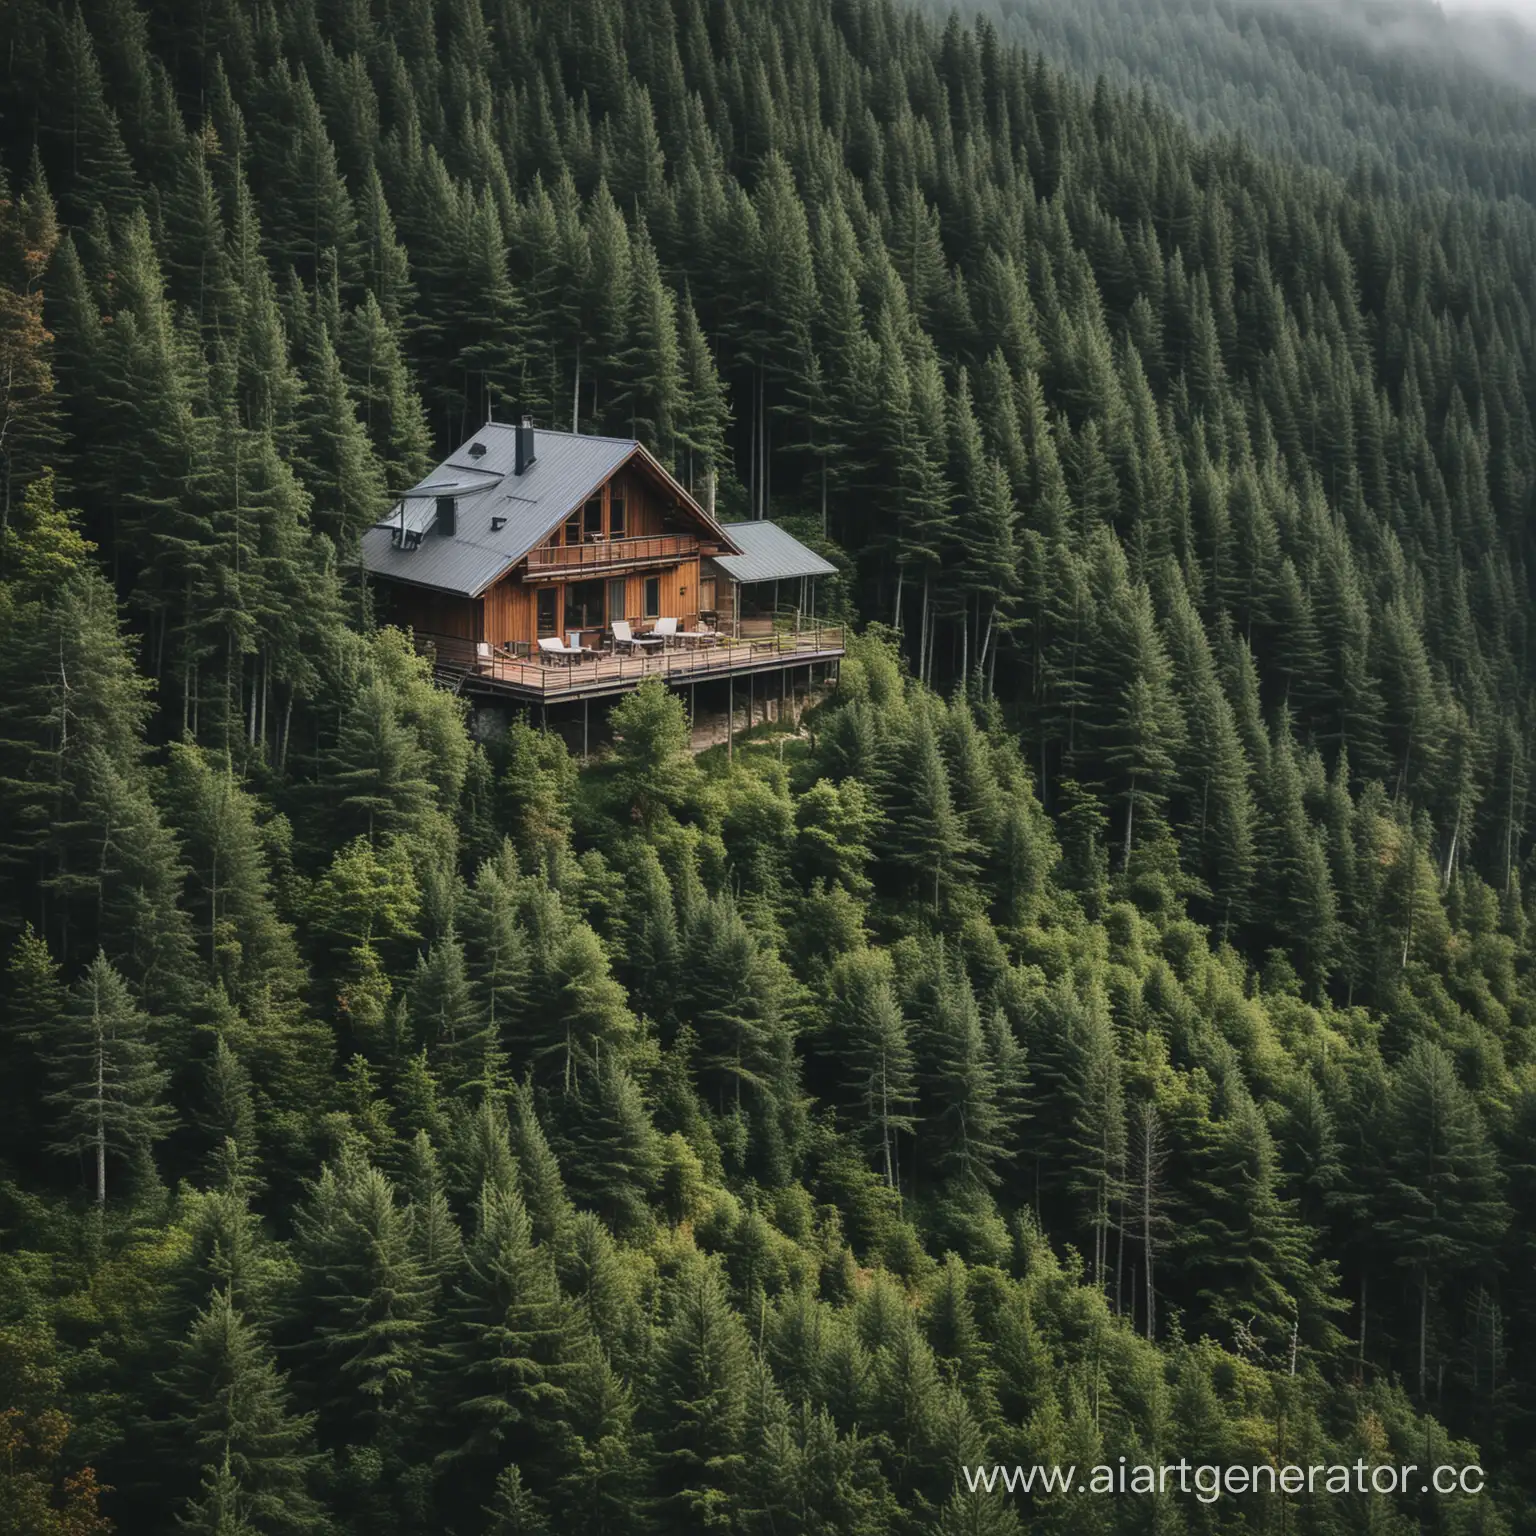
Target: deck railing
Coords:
[[685, 661], [601, 553]]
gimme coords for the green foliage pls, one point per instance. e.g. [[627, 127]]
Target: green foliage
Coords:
[[1105, 1026]]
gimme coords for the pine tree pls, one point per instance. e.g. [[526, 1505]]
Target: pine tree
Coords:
[[959, 1139], [380, 774], [733, 997], [107, 1092], [35, 1003], [230, 1416], [28, 237], [336, 459], [1076, 1135], [248, 946], [443, 1014], [361, 1307], [699, 1405], [609, 1143], [654, 773], [508, 1340], [386, 399], [869, 1057], [1139, 727], [923, 841], [1445, 1212], [515, 1511]]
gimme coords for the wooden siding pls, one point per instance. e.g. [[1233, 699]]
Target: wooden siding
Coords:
[[725, 598], [679, 593], [509, 605], [509, 612], [645, 511]]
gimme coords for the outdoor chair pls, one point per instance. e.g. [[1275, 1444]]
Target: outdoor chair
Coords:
[[551, 646]]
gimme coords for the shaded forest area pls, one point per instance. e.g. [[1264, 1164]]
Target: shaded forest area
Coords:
[[1104, 1029]]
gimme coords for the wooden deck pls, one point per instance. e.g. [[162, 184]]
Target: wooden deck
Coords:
[[555, 680]]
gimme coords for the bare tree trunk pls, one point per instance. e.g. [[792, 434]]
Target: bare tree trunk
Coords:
[[101, 1119], [922, 637], [1450, 858], [576, 393]]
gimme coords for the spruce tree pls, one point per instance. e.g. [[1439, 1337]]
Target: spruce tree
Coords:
[[1444, 1211], [106, 1102], [230, 1417], [699, 1404]]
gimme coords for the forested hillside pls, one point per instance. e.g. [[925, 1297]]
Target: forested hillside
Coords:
[[1406, 89], [1102, 1027]]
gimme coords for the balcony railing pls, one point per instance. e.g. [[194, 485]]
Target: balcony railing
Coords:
[[602, 553], [606, 672]]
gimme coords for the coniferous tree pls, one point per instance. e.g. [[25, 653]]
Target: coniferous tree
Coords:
[[699, 1408], [1446, 1212], [508, 1339], [361, 1306], [231, 1418], [106, 1100]]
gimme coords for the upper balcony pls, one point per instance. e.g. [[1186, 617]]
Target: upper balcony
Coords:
[[600, 554]]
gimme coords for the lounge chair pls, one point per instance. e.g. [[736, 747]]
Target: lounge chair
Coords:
[[482, 653], [665, 629], [623, 636], [551, 646]]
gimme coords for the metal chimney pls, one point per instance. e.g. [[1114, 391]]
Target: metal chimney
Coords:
[[524, 455]]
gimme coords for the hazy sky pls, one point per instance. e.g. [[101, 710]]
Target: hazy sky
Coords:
[[1525, 9]]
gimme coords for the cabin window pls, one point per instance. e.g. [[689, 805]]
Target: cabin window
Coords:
[[592, 518], [615, 514], [616, 599], [653, 597], [573, 529], [584, 605], [549, 610], [706, 594]]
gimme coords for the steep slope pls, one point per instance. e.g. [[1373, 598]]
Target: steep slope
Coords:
[[1107, 1031]]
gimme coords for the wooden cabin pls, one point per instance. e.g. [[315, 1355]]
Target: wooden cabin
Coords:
[[528, 535]]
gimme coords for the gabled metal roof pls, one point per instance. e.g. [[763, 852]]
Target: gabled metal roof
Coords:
[[567, 469], [768, 553]]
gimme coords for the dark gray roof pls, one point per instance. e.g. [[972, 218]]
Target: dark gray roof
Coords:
[[566, 470], [769, 554]]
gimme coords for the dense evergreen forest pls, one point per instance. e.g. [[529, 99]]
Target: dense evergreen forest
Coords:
[[1101, 1027], [1399, 88]]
